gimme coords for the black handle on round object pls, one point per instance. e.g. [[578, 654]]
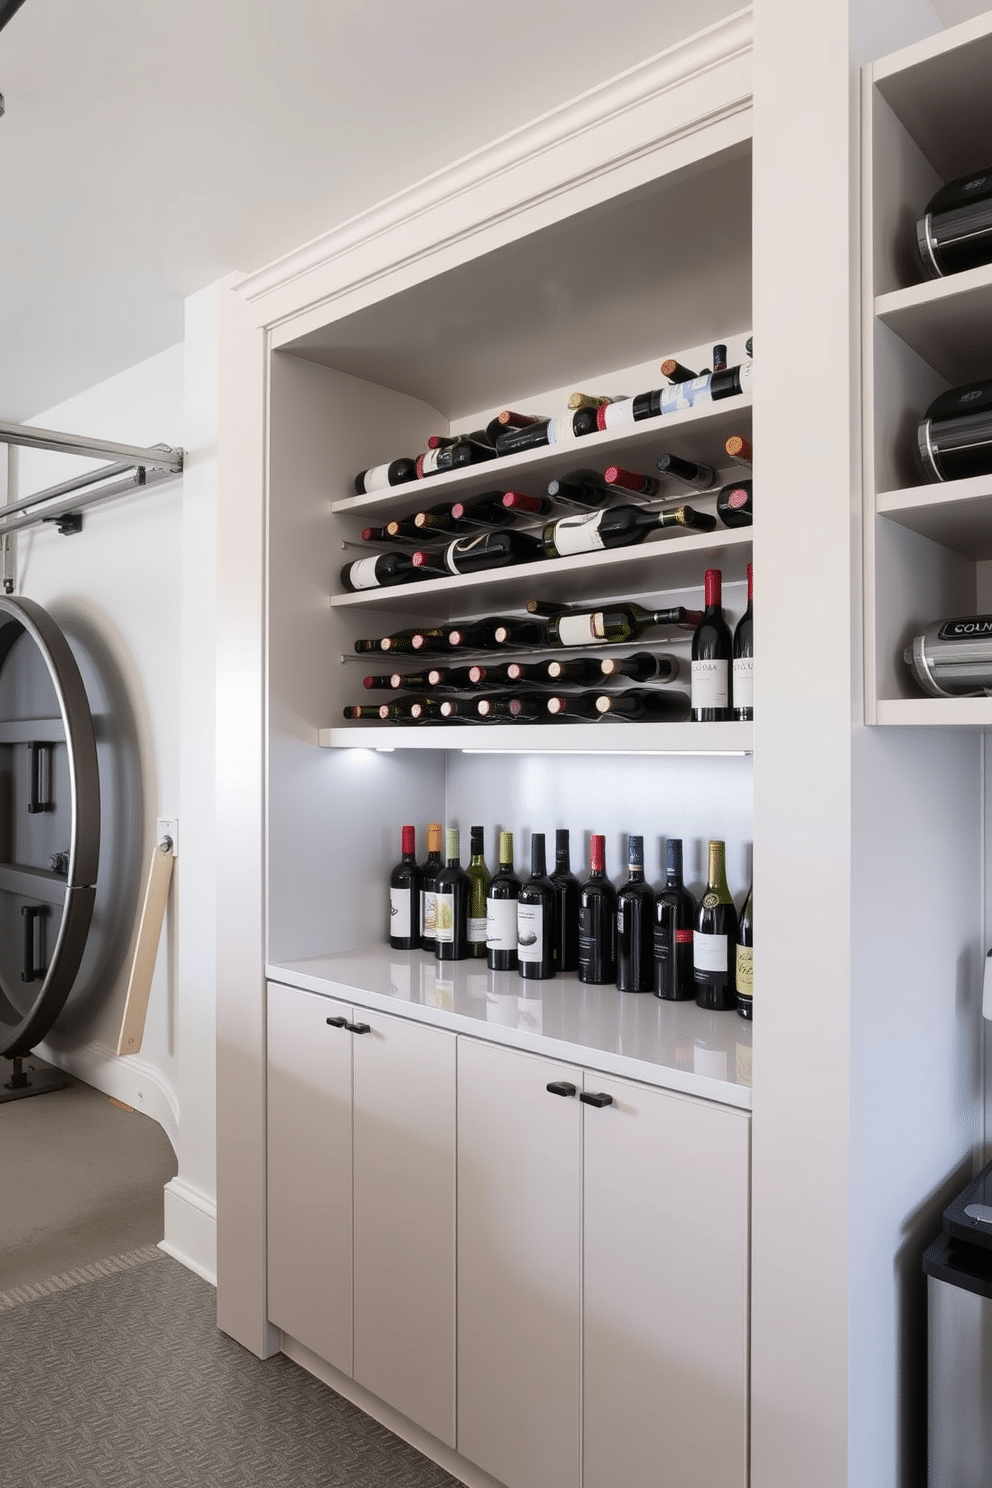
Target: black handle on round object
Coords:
[[561, 1087], [337, 1022], [32, 913], [595, 1098], [359, 1027], [40, 798]]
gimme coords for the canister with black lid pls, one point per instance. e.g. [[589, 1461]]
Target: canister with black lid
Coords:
[[954, 439], [955, 231]]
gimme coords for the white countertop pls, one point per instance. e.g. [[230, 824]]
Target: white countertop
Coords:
[[671, 1044]]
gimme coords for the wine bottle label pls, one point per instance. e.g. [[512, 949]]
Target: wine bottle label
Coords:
[[530, 931], [745, 959], [501, 924], [477, 929], [709, 684], [743, 681], [578, 534], [429, 462], [686, 394], [399, 913], [377, 478], [747, 376], [428, 913], [560, 430], [361, 574], [709, 952], [616, 415], [444, 919], [577, 630]]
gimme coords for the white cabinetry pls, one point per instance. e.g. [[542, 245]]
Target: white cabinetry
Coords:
[[361, 1126], [929, 116], [602, 1278]]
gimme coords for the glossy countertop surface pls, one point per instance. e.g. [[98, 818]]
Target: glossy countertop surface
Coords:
[[675, 1045]]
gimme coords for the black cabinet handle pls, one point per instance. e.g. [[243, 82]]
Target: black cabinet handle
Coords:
[[337, 1022], [359, 1027], [33, 915], [561, 1087], [596, 1098], [40, 798]]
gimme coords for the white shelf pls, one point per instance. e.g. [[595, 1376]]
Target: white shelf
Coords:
[[559, 738], [973, 713], [956, 514], [671, 1044], [945, 321], [672, 560], [694, 433]]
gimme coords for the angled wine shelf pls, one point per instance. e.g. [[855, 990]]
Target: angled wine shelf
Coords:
[[555, 738]]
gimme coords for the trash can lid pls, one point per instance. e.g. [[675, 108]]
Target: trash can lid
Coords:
[[969, 1216], [967, 1266]]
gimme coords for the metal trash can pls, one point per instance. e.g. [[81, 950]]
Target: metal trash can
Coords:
[[958, 1266]]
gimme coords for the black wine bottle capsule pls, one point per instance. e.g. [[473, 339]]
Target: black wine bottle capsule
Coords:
[[686, 472], [405, 885], [597, 921]]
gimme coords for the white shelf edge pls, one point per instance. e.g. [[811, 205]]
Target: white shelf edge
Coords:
[[552, 738], [975, 713], [944, 493], [897, 302], [551, 453], [545, 568], [918, 53]]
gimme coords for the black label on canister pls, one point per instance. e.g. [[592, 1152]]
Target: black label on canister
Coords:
[[965, 627]]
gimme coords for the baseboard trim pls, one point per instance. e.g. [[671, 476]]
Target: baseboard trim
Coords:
[[132, 1080], [191, 1229], [459, 1467]]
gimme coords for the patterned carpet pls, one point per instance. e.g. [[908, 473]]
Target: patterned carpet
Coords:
[[115, 1376]]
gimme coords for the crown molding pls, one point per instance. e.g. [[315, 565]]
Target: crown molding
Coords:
[[608, 104]]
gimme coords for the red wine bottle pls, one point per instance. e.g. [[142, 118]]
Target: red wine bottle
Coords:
[[453, 457], [479, 877], [635, 925], [566, 887], [448, 679], [708, 387], [536, 917], [520, 505], [452, 887], [501, 910], [475, 554], [745, 956], [659, 705], [616, 527], [405, 886], [714, 937], [460, 710], [409, 710], [428, 898], [381, 477], [411, 642], [642, 666], [497, 630], [506, 673], [510, 419], [615, 477], [488, 510], [580, 670], [630, 410], [551, 431], [387, 534], [712, 652], [743, 667], [597, 921], [566, 705], [734, 504], [384, 681], [512, 708], [674, 918], [361, 712], [442, 441], [687, 472], [379, 572], [740, 451], [615, 624]]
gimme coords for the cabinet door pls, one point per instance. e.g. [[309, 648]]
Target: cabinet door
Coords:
[[309, 1172], [404, 1112], [519, 1255], [665, 1322]]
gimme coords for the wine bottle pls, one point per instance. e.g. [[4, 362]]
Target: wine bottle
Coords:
[[674, 918], [381, 477], [630, 410], [616, 527], [675, 371], [453, 457], [460, 710], [743, 668], [740, 451], [507, 673], [510, 419], [409, 709], [501, 910], [712, 650], [615, 477], [615, 624], [511, 708], [572, 669], [708, 387], [479, 877], [517, 503], [734, 504], [384, 534], [720, 356], [642, 666], [714, 936], [473, 554], [745, 956], [593, 400], [452, 887], [478, 634], [428, 897], [363, 712], [635, 925], [412, 642], [384, 681], [597, 921], [405, 887], [565, 705], [449, 679], [697, 477], [584, 490], [378, 572], [488, 510], [442, 441], [550, 431], [566, 905], [667, 705], [536, 935]]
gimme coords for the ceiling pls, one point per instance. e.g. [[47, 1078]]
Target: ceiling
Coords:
[[149, 148]]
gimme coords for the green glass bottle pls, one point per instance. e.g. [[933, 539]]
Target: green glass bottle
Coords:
[[479, 877], [714, 937]]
